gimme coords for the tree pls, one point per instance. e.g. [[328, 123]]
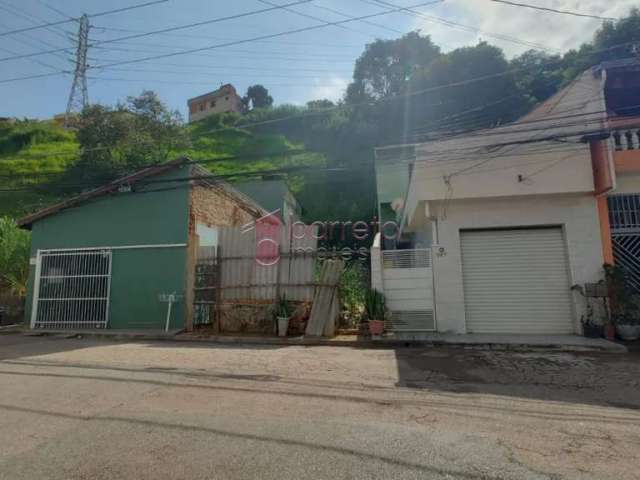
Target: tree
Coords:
[[385, 66], [614, 40], [14, 257], [116, 141], [257, 97], [621, 37], [458, 105], [538, 74]]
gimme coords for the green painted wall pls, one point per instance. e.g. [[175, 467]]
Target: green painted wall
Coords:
[[271, 194], [138, 276]]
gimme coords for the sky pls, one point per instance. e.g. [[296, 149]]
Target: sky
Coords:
[[295, 68]]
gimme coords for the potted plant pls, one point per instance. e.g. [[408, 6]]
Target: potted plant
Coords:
[[283, 311], [627, 328], [375, 312], [625, 303]]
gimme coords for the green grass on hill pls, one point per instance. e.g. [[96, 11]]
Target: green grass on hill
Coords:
[[29, 148], [26, 149]]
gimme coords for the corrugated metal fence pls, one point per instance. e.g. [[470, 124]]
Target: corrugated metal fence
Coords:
[[251, 268]]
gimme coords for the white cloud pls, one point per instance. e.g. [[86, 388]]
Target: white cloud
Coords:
[[555, 31], [332, 88]]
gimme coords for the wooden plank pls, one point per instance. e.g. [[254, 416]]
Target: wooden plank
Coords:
[[324, 296]]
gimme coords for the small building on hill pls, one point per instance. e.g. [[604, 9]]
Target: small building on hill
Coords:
[[225, 99], [114, 256]]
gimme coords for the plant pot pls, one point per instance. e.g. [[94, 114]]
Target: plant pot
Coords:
[[590, 330], [283, 326], [376, 327], [628, 332]]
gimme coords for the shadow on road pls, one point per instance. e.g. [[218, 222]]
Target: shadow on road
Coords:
[[18, 345], [459, 406], [591, 378]]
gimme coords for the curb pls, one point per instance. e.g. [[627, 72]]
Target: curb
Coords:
[[176, 337]]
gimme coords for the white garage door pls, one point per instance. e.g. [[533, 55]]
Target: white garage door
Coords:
[[516, 281]]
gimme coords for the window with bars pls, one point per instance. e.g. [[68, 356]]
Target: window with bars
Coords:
[[624, 212]]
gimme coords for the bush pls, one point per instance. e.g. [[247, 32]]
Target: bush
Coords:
[[14, 258], [353, 287], [624, 299]]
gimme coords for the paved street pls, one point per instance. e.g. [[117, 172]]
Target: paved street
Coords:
[[92, 409]]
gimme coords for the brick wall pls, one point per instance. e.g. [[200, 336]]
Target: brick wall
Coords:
[[213, 206]]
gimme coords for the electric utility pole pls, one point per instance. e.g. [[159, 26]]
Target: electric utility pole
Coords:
[[79, 97]]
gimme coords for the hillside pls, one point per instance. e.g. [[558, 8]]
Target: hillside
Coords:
[[27, 149], [39, 153]]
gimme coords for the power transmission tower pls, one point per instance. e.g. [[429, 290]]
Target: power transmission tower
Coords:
[[79, 97]]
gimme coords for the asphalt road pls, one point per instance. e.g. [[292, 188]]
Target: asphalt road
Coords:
[[89, 409]]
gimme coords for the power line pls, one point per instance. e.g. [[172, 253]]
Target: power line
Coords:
[[283, 170], [229, 158], [206, 22], [165, 30], [190, 82], [54, 9], [68, 20], [39, 62], [546, 145], [250, 40], [192, 51], [560, 122], [31, 77], [32, 19], [209, 37], [208, 69], [267, 55], [313, 17], [366, 22], [262, 54], [554, 10], [284, 73], [460, 26], [205, 161], [247, 156], [410, 94]]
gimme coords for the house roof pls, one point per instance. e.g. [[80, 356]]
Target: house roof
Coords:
[[226, 89], [575, 111], [251, 205], [572, 115], [146, 173]]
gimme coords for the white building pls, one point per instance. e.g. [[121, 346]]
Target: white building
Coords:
[[498, 225]]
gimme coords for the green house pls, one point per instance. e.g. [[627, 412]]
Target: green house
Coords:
[[273, 194], [117, 256]]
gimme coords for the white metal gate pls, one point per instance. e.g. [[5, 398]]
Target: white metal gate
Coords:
[[407, 277], [72, 289], [624, 216]]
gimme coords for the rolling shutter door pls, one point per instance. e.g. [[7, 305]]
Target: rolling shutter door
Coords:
[[516, 281]]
